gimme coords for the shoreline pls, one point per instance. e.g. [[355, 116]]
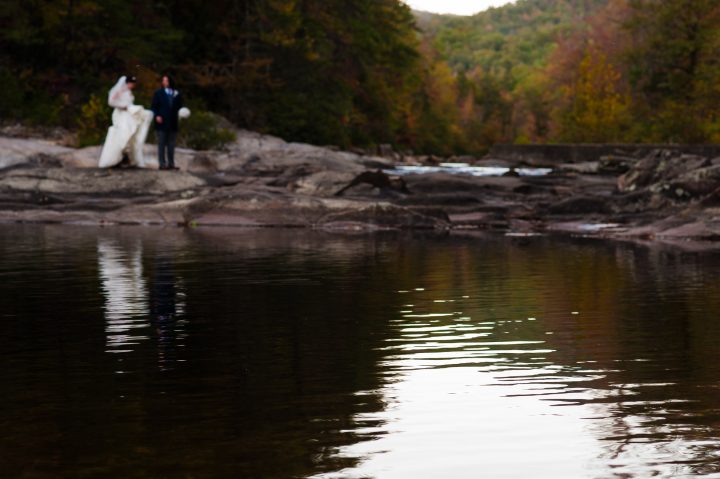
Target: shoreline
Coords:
[[660, 244], [260, 181]]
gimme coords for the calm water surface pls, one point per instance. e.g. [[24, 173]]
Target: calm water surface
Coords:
[[153, 353]]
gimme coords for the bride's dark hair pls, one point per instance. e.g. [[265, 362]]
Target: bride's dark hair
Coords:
[[130, 79]]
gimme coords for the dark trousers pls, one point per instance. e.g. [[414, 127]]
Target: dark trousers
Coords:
[[166, 143]]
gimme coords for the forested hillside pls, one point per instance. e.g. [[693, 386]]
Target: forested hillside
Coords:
[[512, 37], [585, 70], [324, 71], [365, 72]]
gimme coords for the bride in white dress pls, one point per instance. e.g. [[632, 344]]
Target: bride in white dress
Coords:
[[130, 125]]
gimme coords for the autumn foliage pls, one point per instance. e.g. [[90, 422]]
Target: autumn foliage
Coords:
[[366, 72], [641, 71]]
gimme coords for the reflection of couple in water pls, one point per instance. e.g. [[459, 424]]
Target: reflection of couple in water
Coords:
[[130, 124], [165, 310], [135, 301]]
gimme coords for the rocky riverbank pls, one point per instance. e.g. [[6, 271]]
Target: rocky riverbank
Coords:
[[263, 181]]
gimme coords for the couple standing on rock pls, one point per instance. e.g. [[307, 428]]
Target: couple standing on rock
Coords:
[[130, 124]]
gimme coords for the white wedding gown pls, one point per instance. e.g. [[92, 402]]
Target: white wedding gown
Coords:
[[130, 125]]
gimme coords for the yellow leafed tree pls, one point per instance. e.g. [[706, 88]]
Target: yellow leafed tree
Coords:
[[594, 109]]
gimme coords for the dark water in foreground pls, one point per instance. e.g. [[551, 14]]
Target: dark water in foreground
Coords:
[[133, 353]]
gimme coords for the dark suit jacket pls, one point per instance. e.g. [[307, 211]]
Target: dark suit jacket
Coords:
[[167, 108]]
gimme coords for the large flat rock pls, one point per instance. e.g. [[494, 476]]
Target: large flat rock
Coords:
[[18, 151], [251, 153], [264, 181], [267, 207], [98, 182]]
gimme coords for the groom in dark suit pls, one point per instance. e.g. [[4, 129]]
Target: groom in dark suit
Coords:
[[166, 103]]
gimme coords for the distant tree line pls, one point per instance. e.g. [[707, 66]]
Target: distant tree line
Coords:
[[361, 73], [586, 71], [336, 72]]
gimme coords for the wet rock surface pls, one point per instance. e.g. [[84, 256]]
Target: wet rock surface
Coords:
[[664, 195]]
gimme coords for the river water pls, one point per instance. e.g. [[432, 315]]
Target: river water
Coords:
[[233, 353]]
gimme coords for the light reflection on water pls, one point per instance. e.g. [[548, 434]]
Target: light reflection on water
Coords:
[[485, 389], [466, 169], [296, 354], [126, 296], [462, 401]]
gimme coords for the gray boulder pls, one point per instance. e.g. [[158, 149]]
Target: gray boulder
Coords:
[[659, 167]]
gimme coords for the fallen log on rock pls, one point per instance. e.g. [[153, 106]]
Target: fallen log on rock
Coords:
[[378, 179]]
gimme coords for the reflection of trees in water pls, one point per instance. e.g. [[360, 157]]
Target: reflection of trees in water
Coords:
[[641, 353], [286, 348], [295, 327], [279, 342], [646, 327]]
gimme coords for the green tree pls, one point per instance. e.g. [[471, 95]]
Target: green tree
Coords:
[[334, 72], [60, 50], [675, 65]]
